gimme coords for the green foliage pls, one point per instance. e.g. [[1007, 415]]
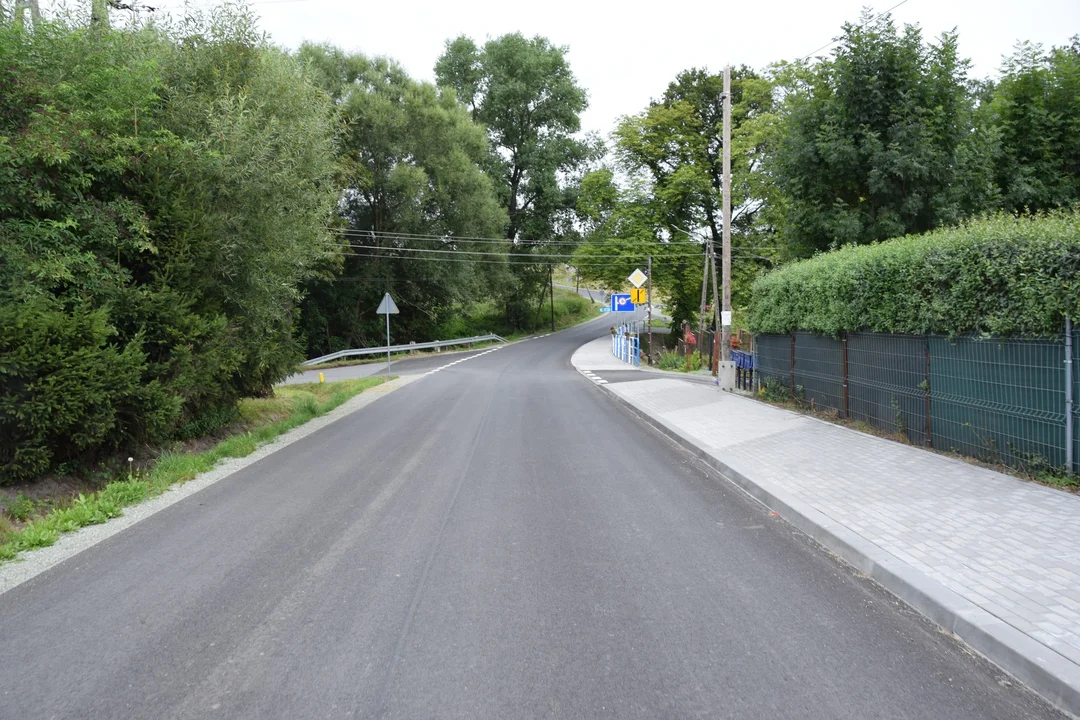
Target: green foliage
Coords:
[[66, 389], [488, 317], [774, 391], [524, 92], [1035, 108], [878, 141], [411, 164], [681, 363], [673, 153], [20, 507], [162, 194], [1003, 275], [207, 422]]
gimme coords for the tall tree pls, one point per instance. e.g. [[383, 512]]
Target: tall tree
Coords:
[[410, 159], [622, 226], [673, 153], [1036, 108], [161, 199], [524, 92], [880, 140]]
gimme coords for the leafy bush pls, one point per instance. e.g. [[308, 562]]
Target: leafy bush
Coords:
[[20, 507], [163, 193], [689, 363], [1003, 274], [64, 388]]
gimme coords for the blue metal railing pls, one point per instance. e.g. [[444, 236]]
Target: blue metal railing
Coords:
[[626, 344]]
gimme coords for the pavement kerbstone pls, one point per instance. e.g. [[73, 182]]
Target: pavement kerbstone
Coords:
[[974, 555]]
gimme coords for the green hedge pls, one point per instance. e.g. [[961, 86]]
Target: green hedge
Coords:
[[1002, 275]]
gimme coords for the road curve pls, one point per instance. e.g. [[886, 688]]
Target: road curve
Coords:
[[495, 540]]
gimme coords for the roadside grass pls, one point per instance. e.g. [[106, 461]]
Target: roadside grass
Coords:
[[26, 524], [678, 363]]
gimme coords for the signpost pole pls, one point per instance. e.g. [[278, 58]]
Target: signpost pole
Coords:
[[648, 303], [387, 308]]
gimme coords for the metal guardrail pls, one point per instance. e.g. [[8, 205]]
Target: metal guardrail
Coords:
[[399, 348]]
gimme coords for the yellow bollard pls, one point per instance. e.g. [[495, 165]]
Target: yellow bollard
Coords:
[[321, 379]]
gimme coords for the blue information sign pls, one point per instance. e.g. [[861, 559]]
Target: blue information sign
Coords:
[[621, 303]]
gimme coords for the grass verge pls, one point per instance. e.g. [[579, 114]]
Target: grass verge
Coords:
[[260, 421]]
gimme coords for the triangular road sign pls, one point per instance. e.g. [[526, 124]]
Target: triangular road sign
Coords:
[[387, 306]]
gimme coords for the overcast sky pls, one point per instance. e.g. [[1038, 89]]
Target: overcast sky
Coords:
[[625, 53]]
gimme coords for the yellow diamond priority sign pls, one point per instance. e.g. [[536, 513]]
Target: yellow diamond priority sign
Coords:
[[637, 278]]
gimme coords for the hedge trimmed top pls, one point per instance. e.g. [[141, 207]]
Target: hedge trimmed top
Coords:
[[1002, 275]]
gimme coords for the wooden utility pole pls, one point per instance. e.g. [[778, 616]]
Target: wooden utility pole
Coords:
[[648, 302], [551, 284], [726, 339], [704, 295]]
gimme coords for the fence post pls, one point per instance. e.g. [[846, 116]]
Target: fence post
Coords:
[[843, 349], [1068, 396], [929, 435], [791, 365]]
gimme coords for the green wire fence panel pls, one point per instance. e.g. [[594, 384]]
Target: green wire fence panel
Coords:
[[774, 358], [999, 399], [887, 383], [819, 377], [1076, 401]]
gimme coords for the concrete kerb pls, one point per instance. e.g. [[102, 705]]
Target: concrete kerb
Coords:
[[1044, 671]]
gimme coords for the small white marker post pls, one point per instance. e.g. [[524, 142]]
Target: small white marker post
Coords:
[[387, 308]]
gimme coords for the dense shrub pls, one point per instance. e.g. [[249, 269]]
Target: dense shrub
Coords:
[[1004, 275], [65, 388], [163, 194]]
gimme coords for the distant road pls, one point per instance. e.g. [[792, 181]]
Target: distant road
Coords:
[[594, 295]]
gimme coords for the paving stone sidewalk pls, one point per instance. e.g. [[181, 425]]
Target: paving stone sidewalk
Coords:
[[1002, 545]]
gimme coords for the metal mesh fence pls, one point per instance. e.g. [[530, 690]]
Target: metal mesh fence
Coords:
[[1001, 400], [819, 377], [996, 399], [773, 358], [887, 383]]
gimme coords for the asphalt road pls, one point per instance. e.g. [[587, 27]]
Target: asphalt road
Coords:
[[496, 540]]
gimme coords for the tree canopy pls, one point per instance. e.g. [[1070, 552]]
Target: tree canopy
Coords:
[[161, 199], [411, 180]]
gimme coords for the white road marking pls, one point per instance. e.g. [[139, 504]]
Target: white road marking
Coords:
[[596, 379], [471, 357]]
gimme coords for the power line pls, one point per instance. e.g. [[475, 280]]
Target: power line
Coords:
[[646, 251], [876, 17], [366, 234], [587, 263], [510, 254], [453, 238]]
